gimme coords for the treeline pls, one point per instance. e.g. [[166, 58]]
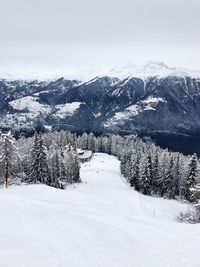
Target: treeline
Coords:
[[40, 159], [148, 168], [51, 159], [157, 172]]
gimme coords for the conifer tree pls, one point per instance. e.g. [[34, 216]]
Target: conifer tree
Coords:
[[39, 168], [145, 175], [73, 168], [108, 145], [84, 141], [113, 145], [9, 157], [91, 142], [56, 168], [195, 194], [176, 176], [163, 171], [168, 181], [63, 166], [76, 170], [134, 178], [156, 176], [191, 179]]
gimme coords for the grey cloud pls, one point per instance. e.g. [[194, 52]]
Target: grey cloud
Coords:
[[46, 30]]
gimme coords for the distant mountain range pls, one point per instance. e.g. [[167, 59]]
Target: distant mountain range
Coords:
[[152, 101], [151, 69]]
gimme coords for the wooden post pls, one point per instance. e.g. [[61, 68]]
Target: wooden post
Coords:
[[6, 161], [6, 183]]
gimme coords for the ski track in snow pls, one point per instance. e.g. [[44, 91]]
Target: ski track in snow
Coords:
[[101, 222]]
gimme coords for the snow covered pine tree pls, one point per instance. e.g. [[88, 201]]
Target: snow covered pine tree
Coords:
[[56, 160], [73, 168], [192, 176], [39, 168], [9, 157]]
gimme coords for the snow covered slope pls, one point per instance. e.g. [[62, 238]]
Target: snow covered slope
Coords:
[[30, 104], [67, 109], [102, 222]]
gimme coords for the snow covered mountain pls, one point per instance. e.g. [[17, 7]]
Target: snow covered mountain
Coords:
[[163, 104], [144, 71], [158, 69]]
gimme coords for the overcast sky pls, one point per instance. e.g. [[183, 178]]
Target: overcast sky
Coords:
[[85, 33]]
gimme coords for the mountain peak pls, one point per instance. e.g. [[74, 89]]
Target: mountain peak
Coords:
[[151, 68]]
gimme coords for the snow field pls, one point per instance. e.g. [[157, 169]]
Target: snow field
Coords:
[[101, 222]]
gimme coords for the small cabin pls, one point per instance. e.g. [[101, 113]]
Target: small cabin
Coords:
[[84, 155]]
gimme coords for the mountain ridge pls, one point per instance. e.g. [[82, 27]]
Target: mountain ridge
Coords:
[[142, 71], [164, 109]]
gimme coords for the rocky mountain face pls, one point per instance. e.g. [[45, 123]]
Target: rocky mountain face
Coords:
[[165, 109]]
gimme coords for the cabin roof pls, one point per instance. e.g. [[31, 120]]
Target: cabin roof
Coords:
[[87, 154]]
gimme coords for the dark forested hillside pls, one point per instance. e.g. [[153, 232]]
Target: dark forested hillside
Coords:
[[165, 109]]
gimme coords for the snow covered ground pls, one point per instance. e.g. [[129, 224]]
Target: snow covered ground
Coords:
[[101, 222], [31, 104], [134, 110], [67, 109]]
